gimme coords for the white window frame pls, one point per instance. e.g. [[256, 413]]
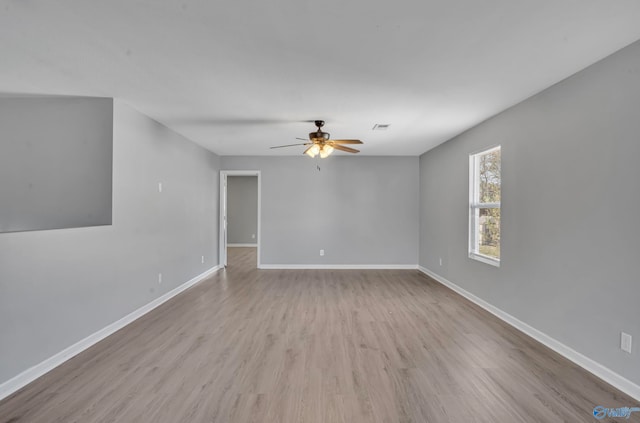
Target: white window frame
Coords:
[[475, 205]]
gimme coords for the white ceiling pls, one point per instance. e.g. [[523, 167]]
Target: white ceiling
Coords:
[[239, 76]]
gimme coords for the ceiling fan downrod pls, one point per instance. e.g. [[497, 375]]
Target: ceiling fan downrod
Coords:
[[319, 135]]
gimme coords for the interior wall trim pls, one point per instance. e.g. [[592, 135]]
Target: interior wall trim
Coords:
[[340, 266], [592, 366], [17, 382]]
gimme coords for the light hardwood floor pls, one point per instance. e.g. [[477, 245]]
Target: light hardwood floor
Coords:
[[345, 346]]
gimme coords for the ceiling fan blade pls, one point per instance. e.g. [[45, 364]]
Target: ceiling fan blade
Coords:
[[346, 141], [343, 148], [289, 145]]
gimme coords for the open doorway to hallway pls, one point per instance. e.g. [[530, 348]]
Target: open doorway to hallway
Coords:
[[240, 216]]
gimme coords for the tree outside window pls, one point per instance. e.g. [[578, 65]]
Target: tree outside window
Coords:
[[485, 192]]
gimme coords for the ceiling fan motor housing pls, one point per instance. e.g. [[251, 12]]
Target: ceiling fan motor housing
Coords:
[[318, 136]]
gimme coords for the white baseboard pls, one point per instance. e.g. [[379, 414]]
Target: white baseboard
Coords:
[[241, 245], [14, 384], [604, 373], [340, 266]]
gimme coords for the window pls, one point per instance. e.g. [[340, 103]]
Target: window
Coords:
[[484, 206]]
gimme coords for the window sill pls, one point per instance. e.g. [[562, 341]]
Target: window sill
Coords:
[[485, 259]]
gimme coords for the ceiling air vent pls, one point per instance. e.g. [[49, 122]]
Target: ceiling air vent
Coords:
[[381, 126]]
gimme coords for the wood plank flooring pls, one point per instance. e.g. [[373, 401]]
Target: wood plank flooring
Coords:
[[344, 346]]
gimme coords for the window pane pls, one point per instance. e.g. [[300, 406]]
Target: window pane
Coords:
[[489, 177], [484, 205], [488, 234]]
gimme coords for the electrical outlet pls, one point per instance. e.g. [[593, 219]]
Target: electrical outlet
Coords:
[[159, 186], [625, 342], [202, 259], [440, 261], [321, 253], [253, 236], [159, 277]]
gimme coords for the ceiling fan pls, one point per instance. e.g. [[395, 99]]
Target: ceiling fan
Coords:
[[319, 143]]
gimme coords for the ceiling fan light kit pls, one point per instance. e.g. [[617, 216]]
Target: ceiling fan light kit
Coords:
[[321, 144], [325, 151], [312, 151]]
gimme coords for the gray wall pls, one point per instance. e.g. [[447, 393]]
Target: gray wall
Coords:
[[242, 209], [55, 162], [59, 286], [570, 210], [360, 210]]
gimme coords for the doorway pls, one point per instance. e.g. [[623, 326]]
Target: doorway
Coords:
[[233, 232]]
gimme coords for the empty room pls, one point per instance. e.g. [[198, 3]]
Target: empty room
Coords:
[[340, 211]]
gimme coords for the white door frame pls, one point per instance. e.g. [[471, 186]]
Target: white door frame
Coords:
[[223, 212]]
